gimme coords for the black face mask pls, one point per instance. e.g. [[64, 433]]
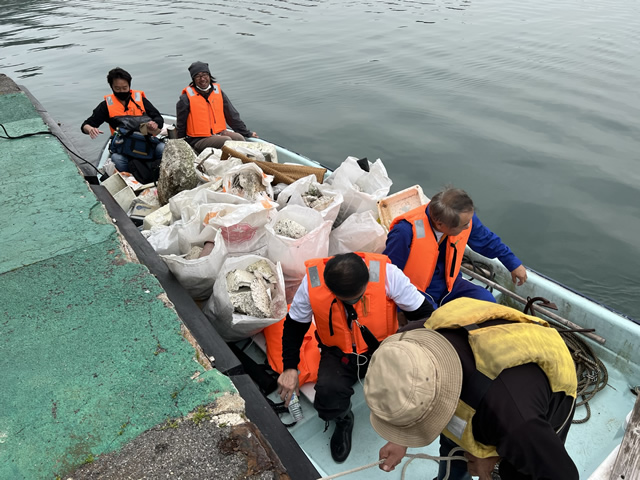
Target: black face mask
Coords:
[[122, 95]]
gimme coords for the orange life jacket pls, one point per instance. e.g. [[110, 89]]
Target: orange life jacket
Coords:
[[135, 107], [375, 310], [423, 254], [206, 116], [309, 353]]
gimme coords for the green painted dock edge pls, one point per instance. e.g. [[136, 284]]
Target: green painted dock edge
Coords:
[[91, 351]]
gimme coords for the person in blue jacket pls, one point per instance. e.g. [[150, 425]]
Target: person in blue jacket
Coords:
[[428, 244]]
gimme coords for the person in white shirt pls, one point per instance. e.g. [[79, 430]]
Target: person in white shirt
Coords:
[[354, 299]]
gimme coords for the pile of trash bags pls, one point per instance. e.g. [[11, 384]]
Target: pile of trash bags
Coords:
[[238, 243]]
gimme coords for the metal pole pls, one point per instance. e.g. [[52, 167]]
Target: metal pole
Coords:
[[537, 308]]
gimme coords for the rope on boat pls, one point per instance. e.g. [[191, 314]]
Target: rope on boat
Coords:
[[591, 372], [411, 457]]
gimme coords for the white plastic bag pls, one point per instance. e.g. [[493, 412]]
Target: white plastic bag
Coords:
[[210, 168], [242, 226], [291, 252], [233, 326], [292, 195], [361, 190], [183, 205], [360, 232], [198, 275], [194, 233], [248, 181], [163, 238], [259, 150]]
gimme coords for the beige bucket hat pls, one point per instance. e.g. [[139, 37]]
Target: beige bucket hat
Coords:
[[413, 386]]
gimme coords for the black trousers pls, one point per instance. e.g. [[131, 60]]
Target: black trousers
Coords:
[[337, 374]]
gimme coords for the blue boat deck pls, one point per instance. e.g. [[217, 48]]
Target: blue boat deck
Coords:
[[588, 443]]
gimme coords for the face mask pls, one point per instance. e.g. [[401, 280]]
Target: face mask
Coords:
[[122, 95], [204, 89]]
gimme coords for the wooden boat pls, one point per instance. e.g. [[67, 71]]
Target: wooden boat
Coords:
[[593, 444]]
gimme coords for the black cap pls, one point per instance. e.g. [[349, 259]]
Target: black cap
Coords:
[[198, 67]]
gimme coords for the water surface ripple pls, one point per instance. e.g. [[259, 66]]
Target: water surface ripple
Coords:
[[532, 107]]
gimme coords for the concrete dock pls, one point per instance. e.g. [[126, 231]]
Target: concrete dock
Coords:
[[108, 369]]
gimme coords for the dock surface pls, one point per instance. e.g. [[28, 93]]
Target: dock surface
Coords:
[[92, 352]]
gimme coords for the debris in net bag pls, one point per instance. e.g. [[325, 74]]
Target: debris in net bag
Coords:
[[289, 228]]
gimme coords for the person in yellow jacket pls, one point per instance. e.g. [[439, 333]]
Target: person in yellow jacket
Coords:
[[203, 112], [481, 376], [353, 298]]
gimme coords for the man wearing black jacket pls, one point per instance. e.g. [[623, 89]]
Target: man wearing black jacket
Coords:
[[124, 107], [204, 111]]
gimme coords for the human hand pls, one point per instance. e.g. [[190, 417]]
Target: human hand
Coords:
[[392, 454], [93, 132], [519, 275], [480, 467], [254, 135], [287, 384], [151, 125]]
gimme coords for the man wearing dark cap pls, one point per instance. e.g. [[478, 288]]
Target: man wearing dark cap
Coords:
[[354, 298], [204, 111], [485, 378]]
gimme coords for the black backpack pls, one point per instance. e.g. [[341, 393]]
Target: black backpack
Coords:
[[145, 171]]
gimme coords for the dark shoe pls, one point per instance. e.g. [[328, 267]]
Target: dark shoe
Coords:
[[341, 438]]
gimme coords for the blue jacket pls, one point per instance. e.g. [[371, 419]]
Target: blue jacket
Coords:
[[481, 240]]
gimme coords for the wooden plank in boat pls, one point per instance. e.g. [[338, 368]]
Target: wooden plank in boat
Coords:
[[627, 464]]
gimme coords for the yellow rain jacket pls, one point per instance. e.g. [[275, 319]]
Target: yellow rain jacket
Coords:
[[495, 348]]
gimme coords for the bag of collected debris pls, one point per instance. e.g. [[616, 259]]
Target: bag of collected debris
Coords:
[[209, 166], [257, 150], [195, 273], [248, 295], [248, 181], [163, 239], [242, 226], [361, 189], [307, 192], [295, 235], [185, 204], [360, 232]]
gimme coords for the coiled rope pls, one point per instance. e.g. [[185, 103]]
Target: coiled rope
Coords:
[[411, 457], [591, 372]]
